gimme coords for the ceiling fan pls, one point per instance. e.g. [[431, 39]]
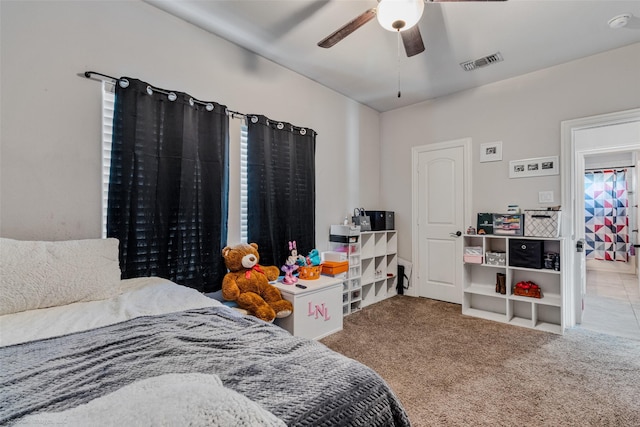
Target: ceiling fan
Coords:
[[393, 15]]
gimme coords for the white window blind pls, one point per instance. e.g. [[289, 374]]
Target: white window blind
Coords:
[[243, 185], [108, 101]]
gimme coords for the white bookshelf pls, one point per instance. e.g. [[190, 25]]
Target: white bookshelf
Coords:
[[480, 298], [373, 267], [379, 260]]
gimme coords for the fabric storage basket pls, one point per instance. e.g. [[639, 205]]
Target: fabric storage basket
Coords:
[[541, 223], [473, 254], [495, 258], [378, 220], [526, 253]]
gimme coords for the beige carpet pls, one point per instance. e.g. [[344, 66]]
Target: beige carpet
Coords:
[[454, 370]]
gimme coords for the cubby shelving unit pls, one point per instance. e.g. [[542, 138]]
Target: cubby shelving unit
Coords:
[[373, 266], [480, 298], [379, 263]]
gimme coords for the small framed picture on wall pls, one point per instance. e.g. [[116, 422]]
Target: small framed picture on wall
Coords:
[[540, 166], [491, 152]]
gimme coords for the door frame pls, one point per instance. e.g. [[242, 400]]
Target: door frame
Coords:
[[466, 144], [572, 164]]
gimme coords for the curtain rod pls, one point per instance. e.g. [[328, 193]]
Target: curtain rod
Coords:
[[124, 83], [172, 96], [88, 75], [610, 168]]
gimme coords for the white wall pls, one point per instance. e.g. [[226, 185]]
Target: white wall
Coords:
[[524, 113], [50, 133]]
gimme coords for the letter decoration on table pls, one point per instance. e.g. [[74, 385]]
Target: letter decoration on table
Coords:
[[319, 311]]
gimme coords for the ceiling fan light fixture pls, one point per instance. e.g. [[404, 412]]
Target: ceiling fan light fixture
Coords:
[[399, 15]]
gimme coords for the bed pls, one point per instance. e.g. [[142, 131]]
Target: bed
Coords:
[[151, 352]]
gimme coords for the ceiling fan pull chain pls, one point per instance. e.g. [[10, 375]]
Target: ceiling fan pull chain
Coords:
[[399, 94]]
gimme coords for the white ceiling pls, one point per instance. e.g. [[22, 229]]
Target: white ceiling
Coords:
[[530, 35]]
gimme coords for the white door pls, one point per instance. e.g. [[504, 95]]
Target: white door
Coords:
[[439, 193]]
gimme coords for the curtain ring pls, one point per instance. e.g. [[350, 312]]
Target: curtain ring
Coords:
[[254, 119], [303, 131], [149, 90], [124, 83], [209, 107], [191, 102], [280, 126], [172, 96]]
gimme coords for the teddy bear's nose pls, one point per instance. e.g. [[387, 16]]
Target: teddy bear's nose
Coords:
[[252, 258]]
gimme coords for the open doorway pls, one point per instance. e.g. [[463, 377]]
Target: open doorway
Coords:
[[612, 294], [590, 136]]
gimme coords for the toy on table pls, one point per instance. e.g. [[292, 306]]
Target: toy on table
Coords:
[[314, 258], [310, 266], [247, 283], [290, 265]]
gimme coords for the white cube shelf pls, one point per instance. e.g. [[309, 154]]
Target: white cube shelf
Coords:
[[480, 298]]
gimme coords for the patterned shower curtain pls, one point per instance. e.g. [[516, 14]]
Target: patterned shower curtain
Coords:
[[606, 221]]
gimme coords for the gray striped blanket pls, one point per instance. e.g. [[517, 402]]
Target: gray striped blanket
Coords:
[[300, 381]]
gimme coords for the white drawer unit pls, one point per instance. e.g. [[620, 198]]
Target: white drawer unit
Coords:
[[317, 310], [351, 300]]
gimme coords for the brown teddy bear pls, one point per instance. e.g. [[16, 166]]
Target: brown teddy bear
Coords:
[[247, 283]]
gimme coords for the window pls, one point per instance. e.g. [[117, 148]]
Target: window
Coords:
[[108, 101], [244, 229]]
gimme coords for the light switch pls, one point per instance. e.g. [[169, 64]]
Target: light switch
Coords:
[[545, 196]]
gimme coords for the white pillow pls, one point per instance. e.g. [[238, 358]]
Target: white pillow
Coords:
[[47, 274]]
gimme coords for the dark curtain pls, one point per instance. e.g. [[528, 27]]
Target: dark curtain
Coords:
[[168, 190], [281, 188]]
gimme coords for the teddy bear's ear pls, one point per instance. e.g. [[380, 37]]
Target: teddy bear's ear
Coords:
[[254, 245], [225, 251]]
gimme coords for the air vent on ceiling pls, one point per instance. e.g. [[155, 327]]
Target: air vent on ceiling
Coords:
[[482, 62]]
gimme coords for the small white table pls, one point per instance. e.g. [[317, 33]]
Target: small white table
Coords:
[[317, 310]]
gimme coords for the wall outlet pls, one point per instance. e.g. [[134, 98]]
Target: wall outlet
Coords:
[[545, 196]]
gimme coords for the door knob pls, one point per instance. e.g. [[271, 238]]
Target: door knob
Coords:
[[456, 234]]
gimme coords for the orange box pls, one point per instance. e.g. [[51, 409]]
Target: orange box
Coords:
[[334, 267]]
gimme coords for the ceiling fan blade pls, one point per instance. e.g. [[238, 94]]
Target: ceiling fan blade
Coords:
[[347, 29], [412, 40]]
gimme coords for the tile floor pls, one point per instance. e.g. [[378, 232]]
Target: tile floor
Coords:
[[612, 304]]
